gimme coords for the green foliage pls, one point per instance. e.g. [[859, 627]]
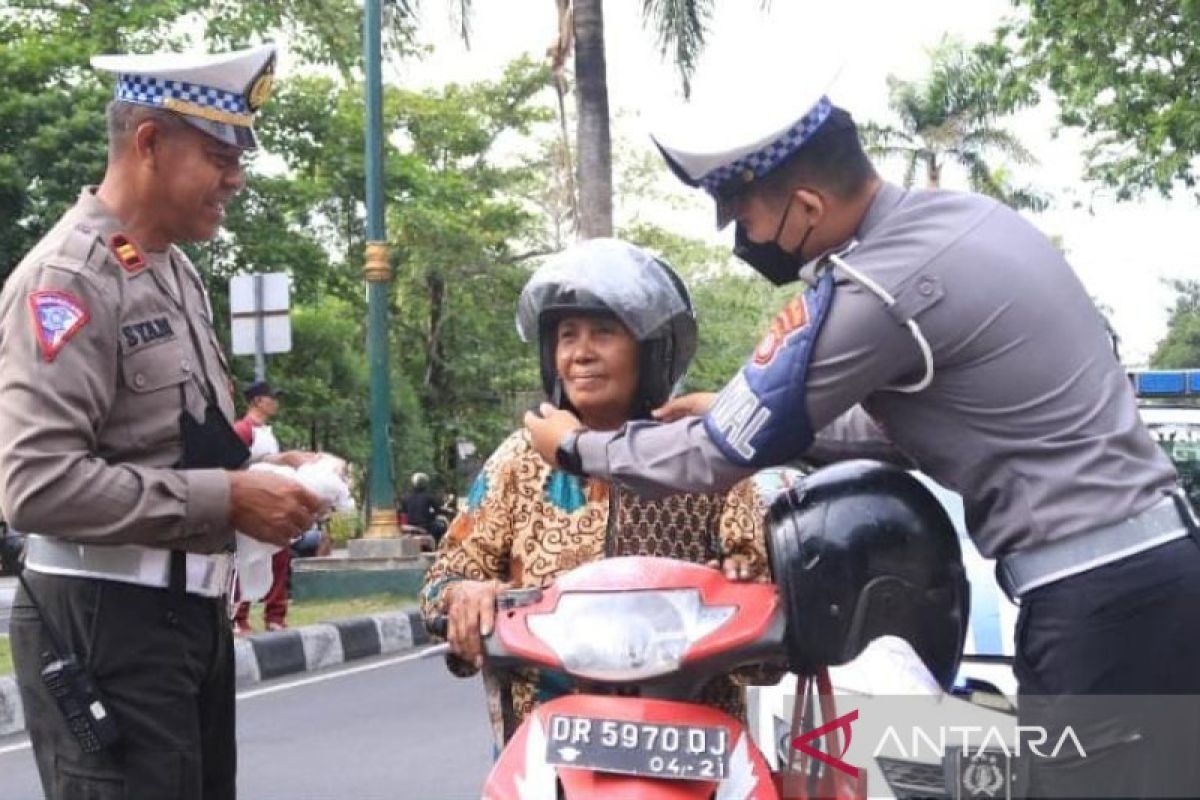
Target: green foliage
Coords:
[[345, 526], [466, 225], [455, 216], [951, 116], [1180, 348], [680, 27], [325, 377], [1124, 72], [52, 137]]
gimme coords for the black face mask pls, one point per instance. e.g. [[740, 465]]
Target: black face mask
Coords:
[[768, 258]]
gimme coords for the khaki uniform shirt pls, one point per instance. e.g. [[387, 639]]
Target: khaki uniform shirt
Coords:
[[90, 434], [1029, 416]]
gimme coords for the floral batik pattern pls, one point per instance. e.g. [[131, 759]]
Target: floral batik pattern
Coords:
[[526, 523]]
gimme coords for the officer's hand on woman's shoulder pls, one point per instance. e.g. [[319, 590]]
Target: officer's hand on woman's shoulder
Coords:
[[271, 508], [695, 404]]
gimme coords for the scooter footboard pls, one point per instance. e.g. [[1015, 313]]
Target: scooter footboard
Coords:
[[629, 747]]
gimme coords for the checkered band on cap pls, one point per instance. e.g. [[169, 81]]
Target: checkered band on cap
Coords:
[[149, 91], [766, 158]]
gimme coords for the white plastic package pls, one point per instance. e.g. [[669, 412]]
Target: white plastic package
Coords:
[[324, 477]]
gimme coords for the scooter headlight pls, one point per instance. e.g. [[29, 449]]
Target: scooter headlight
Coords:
[[626, 636]]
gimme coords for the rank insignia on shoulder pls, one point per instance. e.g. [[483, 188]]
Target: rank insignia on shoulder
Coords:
[[127, 252], [57, 316]]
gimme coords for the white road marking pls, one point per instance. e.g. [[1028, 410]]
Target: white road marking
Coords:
[[279, 687], [13, 748]]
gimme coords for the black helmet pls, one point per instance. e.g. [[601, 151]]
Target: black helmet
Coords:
[[861, 550], [613, 278]]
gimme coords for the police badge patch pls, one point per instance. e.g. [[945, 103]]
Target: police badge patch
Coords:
[[792, 318], [57, 316]]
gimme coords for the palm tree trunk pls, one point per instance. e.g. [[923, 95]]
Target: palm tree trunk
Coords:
[[560, 86], [558, 56], [594, 147], [933, 172]]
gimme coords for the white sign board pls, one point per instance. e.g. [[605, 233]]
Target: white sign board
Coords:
[[260, 302]]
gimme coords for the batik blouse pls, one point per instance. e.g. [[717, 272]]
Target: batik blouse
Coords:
[[526, 523]]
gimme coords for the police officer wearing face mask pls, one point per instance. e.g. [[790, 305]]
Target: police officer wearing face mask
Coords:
[[943, 330], [117, 453]]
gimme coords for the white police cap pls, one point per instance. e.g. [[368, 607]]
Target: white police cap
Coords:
[[726, 144], [219, 93]]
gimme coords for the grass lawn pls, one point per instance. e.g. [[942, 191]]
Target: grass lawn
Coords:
[[305, 613], [311, 611]]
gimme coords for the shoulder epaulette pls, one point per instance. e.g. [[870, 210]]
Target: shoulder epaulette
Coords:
[[126, 252], [78, 250]]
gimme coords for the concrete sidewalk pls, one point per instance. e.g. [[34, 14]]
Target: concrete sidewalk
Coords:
[[263, 656]]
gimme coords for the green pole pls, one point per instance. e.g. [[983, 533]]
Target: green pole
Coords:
[[382, 521]]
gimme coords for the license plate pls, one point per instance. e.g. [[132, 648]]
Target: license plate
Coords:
[[688, 752]]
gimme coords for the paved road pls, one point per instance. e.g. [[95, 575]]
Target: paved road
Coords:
[[394, 728]]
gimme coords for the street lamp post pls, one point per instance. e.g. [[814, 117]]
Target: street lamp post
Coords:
[[382, 521]]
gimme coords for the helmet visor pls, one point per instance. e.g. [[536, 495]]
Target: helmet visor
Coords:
[[607, 273]]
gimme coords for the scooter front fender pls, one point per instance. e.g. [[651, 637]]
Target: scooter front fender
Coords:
[[523, 773]]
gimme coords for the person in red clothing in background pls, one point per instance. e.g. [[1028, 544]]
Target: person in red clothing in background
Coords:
[[255, 431]]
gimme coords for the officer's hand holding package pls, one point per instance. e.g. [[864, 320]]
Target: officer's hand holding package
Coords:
[[270, 507]]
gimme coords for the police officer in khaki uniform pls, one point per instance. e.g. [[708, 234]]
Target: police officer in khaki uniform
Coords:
[[117, 453], [944, 330]]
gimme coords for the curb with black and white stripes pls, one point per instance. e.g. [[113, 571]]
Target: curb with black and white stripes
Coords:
[[264, 656]]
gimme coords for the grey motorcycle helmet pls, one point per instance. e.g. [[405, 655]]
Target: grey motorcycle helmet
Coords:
[[861, 550], [610, 277]]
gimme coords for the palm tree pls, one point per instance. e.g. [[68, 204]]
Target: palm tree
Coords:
[[951, 117], [680, 27], [592, 138]]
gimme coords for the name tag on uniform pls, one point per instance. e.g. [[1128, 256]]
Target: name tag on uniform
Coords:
[[139, 334]]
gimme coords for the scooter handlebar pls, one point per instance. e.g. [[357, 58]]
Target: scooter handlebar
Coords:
[[496, 653], [438, 625]]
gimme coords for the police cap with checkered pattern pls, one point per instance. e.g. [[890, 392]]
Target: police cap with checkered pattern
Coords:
[[218, 93], [726, 144]]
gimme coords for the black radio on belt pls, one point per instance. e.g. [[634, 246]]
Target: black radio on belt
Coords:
[[86, 716], [73, 689]]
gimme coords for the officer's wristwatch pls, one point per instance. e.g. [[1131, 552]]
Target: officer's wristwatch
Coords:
[[567, 453]]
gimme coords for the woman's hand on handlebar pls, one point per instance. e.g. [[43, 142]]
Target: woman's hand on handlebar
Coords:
[[471, 611], [737, 568]]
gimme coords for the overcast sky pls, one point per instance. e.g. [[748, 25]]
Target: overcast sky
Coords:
[[1121, 251]]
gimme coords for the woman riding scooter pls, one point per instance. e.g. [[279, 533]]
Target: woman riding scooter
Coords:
[[615, 332]]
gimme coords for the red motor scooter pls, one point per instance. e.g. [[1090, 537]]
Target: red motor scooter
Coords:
[[858, 551], [642, 637]]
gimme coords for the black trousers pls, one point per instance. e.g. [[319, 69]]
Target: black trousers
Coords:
[[163, 663], [1114, 653]]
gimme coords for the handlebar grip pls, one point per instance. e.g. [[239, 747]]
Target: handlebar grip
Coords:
[[438, 625]]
